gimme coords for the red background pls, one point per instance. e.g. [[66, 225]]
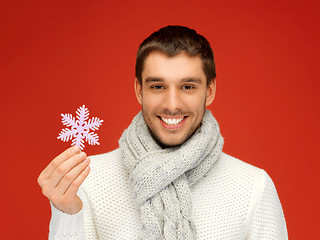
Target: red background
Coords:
[[58, 55]]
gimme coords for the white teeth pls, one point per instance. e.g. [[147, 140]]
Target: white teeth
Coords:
[[172, 121]]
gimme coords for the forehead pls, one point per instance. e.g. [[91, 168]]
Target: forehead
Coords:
[[180, 66]]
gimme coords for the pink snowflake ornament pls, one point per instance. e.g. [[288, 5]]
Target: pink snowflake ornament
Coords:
[[80, 128]]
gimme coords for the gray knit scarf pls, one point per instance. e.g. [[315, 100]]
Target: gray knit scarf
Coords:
[[161, 178]]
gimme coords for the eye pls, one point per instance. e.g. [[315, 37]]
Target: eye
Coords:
[[187, 87], [157, 87]]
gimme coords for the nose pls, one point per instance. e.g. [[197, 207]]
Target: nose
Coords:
[[172, 101]]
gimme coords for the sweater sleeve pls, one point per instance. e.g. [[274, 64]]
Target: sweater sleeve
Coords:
[[65, 226], [268, 222], [77, 226]]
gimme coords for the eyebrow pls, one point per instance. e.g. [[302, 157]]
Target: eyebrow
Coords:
[[196, 80], [184, 80], [153, 79]]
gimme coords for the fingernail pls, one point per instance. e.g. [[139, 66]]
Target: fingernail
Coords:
[[86, 160], [76, 149], [82, 154]]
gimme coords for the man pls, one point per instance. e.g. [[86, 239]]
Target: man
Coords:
[[169, 179]]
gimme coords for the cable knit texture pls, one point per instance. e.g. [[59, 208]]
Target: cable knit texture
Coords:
[[161, 178]]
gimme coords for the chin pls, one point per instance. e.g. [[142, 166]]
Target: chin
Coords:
[[171, 144], [175, 141], [164, 143]]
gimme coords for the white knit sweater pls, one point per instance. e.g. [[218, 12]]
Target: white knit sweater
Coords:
[[234, 201]]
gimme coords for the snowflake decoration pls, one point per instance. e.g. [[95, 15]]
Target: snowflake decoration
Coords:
[[80, 128]]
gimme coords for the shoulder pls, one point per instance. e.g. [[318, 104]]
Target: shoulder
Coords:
[[243, 176], [244, 180], [235, 188], [235, 163], [235, 168], [238, 169], [232, 193], [235, 183]]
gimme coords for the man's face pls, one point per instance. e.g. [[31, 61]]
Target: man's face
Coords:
[[173, 96]]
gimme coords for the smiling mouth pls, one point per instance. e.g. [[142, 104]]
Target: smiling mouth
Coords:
[[173, 122]]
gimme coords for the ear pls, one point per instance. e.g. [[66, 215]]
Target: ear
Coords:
[[211, 92], [138, 90]]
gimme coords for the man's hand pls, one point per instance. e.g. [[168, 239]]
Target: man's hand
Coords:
[[61, 179]]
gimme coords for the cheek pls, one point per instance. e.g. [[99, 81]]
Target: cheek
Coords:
[[196, 103], [147, 106], [150, 103]]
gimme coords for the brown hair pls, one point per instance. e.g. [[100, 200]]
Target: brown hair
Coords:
[[172, 40]]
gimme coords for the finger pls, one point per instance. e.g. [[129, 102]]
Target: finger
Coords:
[[65, 168], [74, 186], [47, 172], [70, 177], [70, 152]]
